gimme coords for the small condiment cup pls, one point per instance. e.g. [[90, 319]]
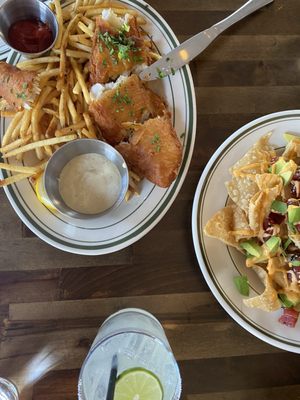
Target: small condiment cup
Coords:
[[12, 11], [65, 154]]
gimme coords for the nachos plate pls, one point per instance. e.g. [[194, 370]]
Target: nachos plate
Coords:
[[221, 263]]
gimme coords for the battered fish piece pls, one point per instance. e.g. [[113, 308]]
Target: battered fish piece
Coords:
[[17, 87], [129, 101], [154, 151], [116, 49]]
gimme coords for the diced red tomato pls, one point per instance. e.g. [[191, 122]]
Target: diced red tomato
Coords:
[[289, 317]]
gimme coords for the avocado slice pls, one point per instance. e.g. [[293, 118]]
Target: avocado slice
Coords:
[[273, 244], [279, 206], [279, 165], [252, 247], [293, 214], [289, 300], [295, 263], [289, 136], [286, 176]]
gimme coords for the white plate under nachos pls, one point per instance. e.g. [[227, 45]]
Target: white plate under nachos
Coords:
[[220, 263], [132, 220]]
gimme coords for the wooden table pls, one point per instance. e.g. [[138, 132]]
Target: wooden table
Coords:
[[51, 297]]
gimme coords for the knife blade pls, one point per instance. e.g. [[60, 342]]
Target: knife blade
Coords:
[[192, 47]]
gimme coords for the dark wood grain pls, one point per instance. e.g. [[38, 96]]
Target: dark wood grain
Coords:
[[48, 297]]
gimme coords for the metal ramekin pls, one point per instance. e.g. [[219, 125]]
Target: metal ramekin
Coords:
[[66, 153], [12, 11]]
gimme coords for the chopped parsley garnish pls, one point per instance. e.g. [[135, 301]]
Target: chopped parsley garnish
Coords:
[[119, 44], [25, 85], [156, 142], [104, 62], [21, 95], [121, 99], [100, 48], [242, 284], [160, 73]]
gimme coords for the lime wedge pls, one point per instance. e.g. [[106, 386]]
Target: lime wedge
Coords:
[[138, 384]]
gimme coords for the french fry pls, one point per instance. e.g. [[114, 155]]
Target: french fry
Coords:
[[81, 80], [50, 112], [77, 88], [77, 54], [15, 144], [51, 128], [26, 121], [62, 105], [60, 21], [72, 110], [40, 143], [70, 129], [13, 179], [154, 56], [36, 113], [85, 29], [34, 61], [48, 74], [64, 42], [87, 134], [12, 126], [19, 168], [80, 46], [90, 126]]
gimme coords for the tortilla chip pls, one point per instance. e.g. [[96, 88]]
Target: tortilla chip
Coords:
[[277, 271], [292, 150], [268, 300], [241, 190], [259, 207], [260, 153], [229, 225], [269, 181]]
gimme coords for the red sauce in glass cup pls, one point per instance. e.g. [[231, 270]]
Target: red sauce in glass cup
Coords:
[[30, 35]]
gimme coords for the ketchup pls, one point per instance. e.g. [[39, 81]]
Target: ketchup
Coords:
[[30, 35]]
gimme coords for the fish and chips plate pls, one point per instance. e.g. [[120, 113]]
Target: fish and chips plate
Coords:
[[88, 87]]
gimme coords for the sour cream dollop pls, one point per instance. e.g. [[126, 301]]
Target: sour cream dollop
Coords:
[[90, 183]]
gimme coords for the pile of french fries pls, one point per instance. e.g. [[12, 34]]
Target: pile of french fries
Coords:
[[60, 112]]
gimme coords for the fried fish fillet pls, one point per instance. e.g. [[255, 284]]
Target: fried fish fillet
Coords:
[[17, 87], [129, 101], [154, 151], [116, 50]]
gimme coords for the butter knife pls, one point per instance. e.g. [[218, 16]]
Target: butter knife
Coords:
[[192, 47]]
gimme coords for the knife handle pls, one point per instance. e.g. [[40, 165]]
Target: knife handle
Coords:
[[242, 12]]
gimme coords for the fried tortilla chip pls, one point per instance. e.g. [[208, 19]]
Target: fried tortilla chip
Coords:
[[292, 149], [229, 225], [259, 155], [259, 207], [277, 270], [268, 300], [241, 190]]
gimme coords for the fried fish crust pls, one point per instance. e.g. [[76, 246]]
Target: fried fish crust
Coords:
[[107, 60], [16, 87], [154, 151], [130, 101]]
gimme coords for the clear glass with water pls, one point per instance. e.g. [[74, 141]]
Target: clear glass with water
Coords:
[[8, 391], [139, 341]]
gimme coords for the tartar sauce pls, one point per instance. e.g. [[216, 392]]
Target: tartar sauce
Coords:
[[90, 183]]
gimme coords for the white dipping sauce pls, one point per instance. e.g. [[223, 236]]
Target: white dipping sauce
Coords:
[[90, 183]]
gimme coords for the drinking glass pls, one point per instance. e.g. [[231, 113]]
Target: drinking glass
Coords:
[[138, 340], [8, 391]]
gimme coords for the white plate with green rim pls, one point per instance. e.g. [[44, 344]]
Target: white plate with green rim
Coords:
[[220, 263], [134, 219]]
